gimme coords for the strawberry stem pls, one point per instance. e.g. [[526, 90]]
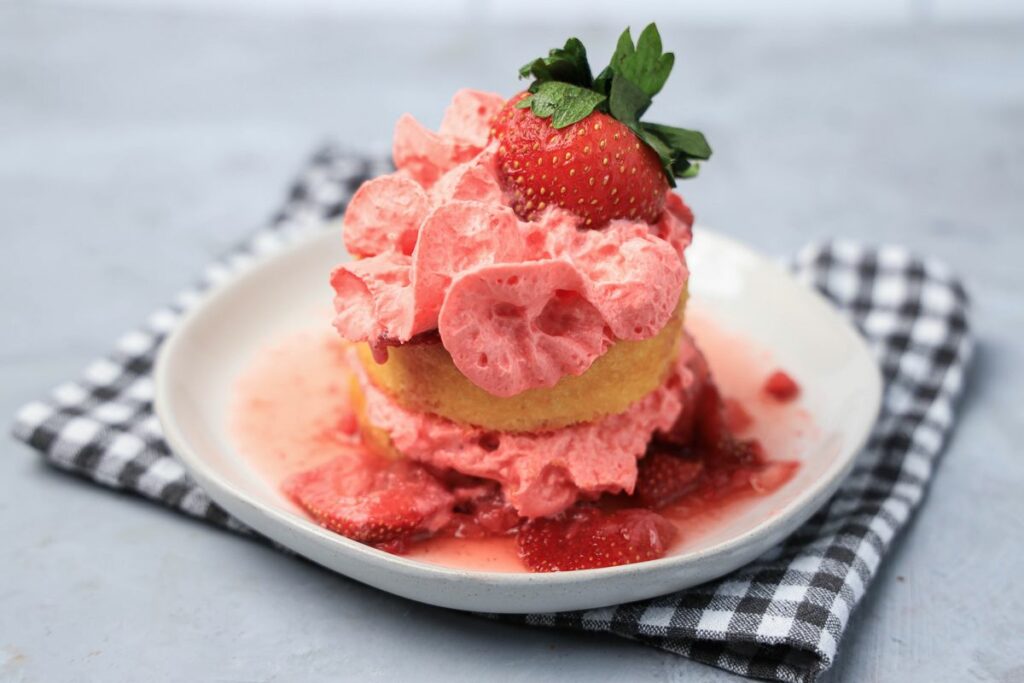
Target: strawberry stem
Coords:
[[564, 90]]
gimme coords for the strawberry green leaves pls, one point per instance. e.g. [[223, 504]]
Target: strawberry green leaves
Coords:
[[678, 148], [643, 64], [689, 142], [562, 85], [567, 65], [635, 75], [565, 91], [627, 102], [563, 102]]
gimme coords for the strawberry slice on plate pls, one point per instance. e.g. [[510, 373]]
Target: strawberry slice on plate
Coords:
[[372, 500], [576, 141], [664, 478], [589, 537]]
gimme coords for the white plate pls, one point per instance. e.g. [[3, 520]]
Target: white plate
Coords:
[[746, 293]]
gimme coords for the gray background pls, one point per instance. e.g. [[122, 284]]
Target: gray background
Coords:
[[135, 145]]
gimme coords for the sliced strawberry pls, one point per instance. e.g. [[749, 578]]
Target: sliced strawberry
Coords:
[[664, 478], [371, 500], [588, 537], [480, 508], [781, 387], [711, 431], [480, 511], [702, 420], [701, 460], [495, 516], [715, 441]]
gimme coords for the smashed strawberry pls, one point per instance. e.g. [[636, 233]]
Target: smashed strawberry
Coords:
[[664, 478], [481, 511], [372, 500], [781, 387], [737, 419], [588, 538], [713, 464], [702, 420]]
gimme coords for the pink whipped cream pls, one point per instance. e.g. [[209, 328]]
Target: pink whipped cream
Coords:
[[542, 474], [518, 304]]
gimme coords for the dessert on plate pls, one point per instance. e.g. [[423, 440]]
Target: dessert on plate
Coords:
[[513, 326]]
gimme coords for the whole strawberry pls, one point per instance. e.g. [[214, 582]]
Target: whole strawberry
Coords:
[[596, 168], [575, 141]]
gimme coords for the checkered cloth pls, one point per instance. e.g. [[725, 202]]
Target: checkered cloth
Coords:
[[782, 616]]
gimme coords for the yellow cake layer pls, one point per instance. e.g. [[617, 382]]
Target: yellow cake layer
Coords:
[[375, 438], [422, 377]]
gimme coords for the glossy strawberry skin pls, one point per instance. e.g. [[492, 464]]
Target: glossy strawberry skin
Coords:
[[371, 500], [664, 478], [589, 538], [781, 387], [596, 168]]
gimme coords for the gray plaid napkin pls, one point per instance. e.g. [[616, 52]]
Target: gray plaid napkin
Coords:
[[782, 616]]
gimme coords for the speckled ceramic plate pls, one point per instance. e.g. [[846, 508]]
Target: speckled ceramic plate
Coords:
[[745, 292]]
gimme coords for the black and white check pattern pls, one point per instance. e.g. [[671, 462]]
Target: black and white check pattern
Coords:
[[780, 617]]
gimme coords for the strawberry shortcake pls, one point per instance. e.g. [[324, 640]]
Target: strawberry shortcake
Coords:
[[513, 327]]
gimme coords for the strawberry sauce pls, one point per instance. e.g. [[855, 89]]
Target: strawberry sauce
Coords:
[[291, 414]]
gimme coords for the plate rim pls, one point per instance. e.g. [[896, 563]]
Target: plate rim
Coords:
[[226, 494]]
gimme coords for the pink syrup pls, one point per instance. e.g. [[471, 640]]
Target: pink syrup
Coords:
[[291, 412]]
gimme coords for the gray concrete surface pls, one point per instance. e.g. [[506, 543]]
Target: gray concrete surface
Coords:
[[134, 146]]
